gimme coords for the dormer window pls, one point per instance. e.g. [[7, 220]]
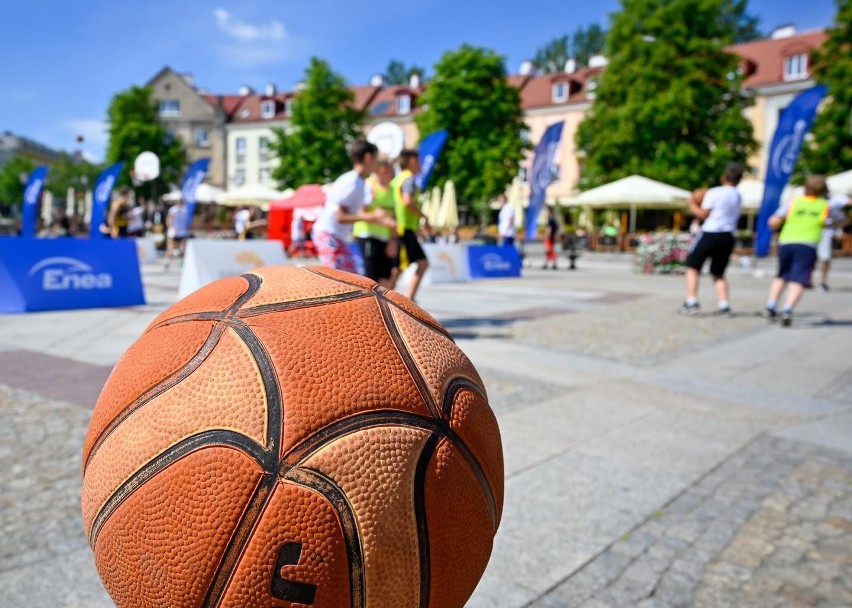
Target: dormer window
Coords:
[[267, 108], [403, 104], [796, 67], [560, 92], [591, 87]]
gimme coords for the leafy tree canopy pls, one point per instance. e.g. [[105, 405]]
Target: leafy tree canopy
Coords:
[[71, 172], [135, 128], [13, 176], [585, 42], [398, 73], [324, 122], [669, 105], [470, 97], [829, 151]]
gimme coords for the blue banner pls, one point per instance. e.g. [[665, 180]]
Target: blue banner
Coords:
[[32, 194], [493, 261], [545, 152], [193, 176], [794, 123], [100, 198], [61, 274], [430, 150]]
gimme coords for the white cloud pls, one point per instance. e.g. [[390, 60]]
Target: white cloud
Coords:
[[247, 32]]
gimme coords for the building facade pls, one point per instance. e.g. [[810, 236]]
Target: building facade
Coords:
[[16, 145]]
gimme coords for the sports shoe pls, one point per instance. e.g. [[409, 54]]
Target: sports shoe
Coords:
[[823, 287], [689, 309], [786, 318], [724, 312], [769, 313]]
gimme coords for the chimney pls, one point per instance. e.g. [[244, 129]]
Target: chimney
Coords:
[[571, 66], [783, 31], [246, 90], [377, 80], [598, 61], [270, 89], [527, 68], [414, 81]]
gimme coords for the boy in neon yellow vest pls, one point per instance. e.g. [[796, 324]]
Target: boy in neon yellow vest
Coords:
[[408, 215], [377, 242], [801, 222]]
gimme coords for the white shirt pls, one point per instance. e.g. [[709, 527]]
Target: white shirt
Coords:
[[836, 211], [241, 220], [725, 205], [350, 192], [180, 220], [506, 221]]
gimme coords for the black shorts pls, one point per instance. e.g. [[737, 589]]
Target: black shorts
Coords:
[[413, 250], [796, 262], [377, 264], [717, 246]]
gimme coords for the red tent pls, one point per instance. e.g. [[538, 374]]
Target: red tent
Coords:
[[281, 213], [311, 195]]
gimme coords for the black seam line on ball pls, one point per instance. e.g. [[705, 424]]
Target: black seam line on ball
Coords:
[[158, 389], [422, 519], [347, 426], [380, 293], [336, 280], [272, 389], [239, 540], [190, 317], [408, 358], [474, 465], [163, 460], [305, 303], [317, 481], [456, 385], [254, 283]]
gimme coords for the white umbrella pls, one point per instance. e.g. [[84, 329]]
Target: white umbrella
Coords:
[[516, 199], [432, 205], [840, 183], [256, 195], [751, 191], [448, 216], [204, 193]]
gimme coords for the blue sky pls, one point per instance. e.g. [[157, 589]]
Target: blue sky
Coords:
[[64, 60]]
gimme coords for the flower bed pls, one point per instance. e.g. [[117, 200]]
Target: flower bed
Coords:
[[662, 253]]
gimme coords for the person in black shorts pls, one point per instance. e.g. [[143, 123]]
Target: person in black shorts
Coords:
[[719, 209]]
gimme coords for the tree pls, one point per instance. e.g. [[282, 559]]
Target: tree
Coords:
[[470, 97], [134, 128], [669, 105], [324, 122], [587, 42], [13, 178], [746, 27], [829, 151], [552, 56], [398, 73], [71, 172]]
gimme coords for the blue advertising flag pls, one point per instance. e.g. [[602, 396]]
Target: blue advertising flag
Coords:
[[430, 151], [193, 176], [795, 122], [100, 198], [545, 152], [32, 194]]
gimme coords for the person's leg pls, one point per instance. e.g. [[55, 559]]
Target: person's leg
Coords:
[[692, 276], [775, 290], [721, 285], [794, 294], [421, 266], [823, 273]]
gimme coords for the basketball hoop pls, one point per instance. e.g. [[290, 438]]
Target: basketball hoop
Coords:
[[146, 167]]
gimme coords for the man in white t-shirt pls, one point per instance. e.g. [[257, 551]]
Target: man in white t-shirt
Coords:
[[506, 222], [344, 205], [834, 223], [242, 218], [720, 211], [177, 230]]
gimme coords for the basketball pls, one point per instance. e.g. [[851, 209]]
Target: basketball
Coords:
[[292, 437], [698, 195]]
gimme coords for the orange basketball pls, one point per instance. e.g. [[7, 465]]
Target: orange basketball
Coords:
[[292, 437]]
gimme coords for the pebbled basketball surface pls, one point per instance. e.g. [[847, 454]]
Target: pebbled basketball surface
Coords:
[[292, 437]]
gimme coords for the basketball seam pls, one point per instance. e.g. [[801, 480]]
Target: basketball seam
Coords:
[[435, 326], [422, 519], [318, 273], [299, 304]]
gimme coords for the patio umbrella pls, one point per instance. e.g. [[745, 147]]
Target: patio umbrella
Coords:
[[840, 183], [432, 205], [448, 216], [204, 193], [256, 195], [516, 199]]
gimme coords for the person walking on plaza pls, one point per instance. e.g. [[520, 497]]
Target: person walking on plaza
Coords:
[[408, 216], [834, 223], [378, 244], [344, 206], [801, 222], [242, 219], [118, 214], [551, 231], [506, 221], [177, 230], [719, 210], [136, 220]]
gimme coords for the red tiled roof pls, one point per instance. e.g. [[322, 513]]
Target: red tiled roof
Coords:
[[538, 91], [384, 102], [764, 59], [250, 108], [364, 95], [229, 102]]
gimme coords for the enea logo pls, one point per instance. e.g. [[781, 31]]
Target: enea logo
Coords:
[[31, 195], [492, 262], [66, 274], [105, 187], [249, 258], [447, 259], [784, 157]]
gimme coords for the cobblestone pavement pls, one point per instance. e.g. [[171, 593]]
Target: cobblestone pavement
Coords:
[[772, 526]]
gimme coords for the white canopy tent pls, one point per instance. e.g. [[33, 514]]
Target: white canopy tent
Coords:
[[752, 192], [633, 192], [256, 195], [840, 183], [204, 193]]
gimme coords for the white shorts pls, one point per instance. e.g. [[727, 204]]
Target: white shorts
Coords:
[[825, 245]]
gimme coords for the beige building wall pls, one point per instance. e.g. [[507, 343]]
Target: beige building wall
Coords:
[[252, 167]]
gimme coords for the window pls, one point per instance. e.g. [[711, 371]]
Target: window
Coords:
[[239, 177], [560, 92], [263, 147], [267, 109], [796, 67], [525, 136], [264, 174], [591, 87], [241, 149], [202, 138], [169, 107], [403, 104]]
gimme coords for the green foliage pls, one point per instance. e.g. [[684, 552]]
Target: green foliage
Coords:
[[11, 187], [746, 27], [71, 172], [324, 122], [585, 42], [398, 73], [470, 97], [829, 151], [669, 105], [134, 128]]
